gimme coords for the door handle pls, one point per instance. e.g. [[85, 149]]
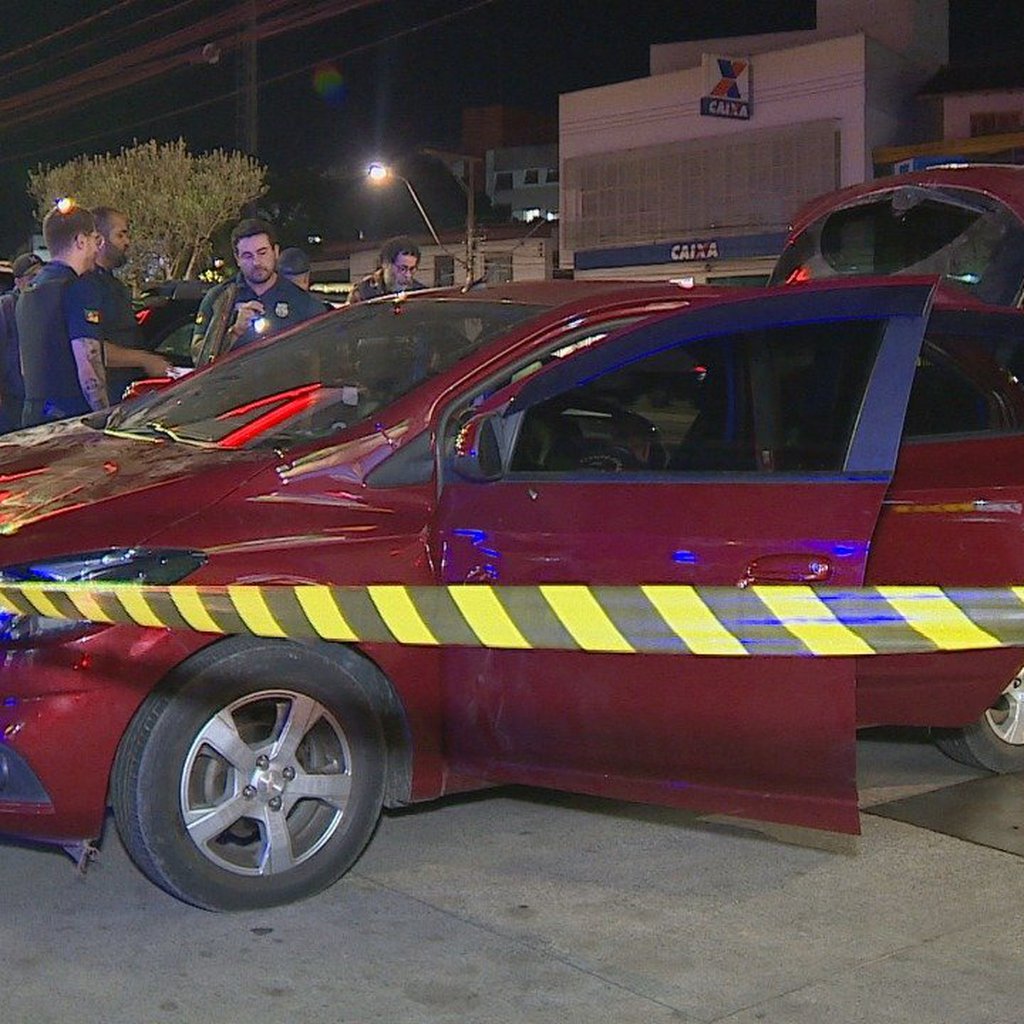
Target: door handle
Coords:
[[796, 568]]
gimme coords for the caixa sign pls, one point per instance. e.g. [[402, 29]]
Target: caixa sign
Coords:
[[727, 91], [687, 251]]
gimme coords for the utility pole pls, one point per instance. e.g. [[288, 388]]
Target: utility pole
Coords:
[[248, 84], [470, 222], [467, 180]]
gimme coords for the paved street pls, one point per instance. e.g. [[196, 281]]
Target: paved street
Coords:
[[532, 907]]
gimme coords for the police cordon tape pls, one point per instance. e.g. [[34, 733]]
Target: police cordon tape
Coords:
[[659, 618]]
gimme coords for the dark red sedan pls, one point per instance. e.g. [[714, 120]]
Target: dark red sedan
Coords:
[[841, 434]]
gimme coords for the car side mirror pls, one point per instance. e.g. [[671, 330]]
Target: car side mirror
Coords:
[[477, 454]]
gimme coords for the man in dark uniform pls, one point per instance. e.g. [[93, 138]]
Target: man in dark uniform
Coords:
[[259, 301], [110, 297], [64, 355], [395, 273]]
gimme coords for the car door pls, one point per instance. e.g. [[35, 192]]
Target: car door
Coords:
[[745, 443]]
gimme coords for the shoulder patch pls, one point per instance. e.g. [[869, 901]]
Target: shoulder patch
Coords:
[[92, 316]]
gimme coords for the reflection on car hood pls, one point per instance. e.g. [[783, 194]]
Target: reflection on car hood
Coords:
[[53, 470]]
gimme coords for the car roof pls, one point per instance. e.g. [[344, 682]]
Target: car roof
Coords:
[[557, 292]]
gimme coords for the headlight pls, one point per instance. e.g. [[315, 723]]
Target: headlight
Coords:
[[155, 566]]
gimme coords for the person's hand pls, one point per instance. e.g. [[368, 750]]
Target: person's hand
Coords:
[[245, 313], [156, 365]]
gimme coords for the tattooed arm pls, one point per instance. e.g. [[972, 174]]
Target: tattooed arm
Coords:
[[92, 375]]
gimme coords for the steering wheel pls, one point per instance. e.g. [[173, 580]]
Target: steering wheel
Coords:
[[608, 457]]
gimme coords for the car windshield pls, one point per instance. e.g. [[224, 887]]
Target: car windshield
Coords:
[[973, 242], [321, 378]]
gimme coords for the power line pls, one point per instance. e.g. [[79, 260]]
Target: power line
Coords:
[[159, 56], [74, 27], [232, 94]]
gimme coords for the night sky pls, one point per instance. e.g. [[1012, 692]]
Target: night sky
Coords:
[[398, 72]]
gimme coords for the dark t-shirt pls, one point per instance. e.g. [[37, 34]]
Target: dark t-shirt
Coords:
[[50, 312], [108, 304]]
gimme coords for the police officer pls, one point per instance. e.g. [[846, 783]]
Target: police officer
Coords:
[[259, 302], [12, 387], [64, 354], [107, 297], [293, 263]]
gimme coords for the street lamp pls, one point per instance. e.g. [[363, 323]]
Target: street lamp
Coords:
[[380, 174]]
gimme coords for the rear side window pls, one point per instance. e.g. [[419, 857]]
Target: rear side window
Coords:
[[967, 385], [972, 241]]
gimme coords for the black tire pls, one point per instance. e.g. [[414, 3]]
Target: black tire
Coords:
[[995, 741], [218, 803]]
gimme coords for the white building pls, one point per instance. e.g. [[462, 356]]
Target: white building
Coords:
[[525, 179], [657, 184], [501, 253]]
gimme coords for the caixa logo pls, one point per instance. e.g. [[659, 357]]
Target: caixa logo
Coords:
[[694, 251]]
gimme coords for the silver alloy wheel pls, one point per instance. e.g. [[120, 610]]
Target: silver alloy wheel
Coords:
[[266, 782], [1006, 717]]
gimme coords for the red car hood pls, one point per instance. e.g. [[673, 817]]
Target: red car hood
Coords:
[[58, 483]]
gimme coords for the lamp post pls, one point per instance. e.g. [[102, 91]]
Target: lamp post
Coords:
[[379, 174]]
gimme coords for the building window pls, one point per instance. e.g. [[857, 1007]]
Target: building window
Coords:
[[502, 181], [996, 122], [743, 184], [498, 267], [444, 270], [551, 176], [531, 176]]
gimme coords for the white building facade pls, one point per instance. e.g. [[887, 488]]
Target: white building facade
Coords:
[[652, 187], [500, 253], [524, 179]]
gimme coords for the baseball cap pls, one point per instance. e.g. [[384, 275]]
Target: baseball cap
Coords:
[[293, 261], [25, 263]]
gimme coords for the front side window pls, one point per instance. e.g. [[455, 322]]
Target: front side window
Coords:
[[779, 400], [973, 242]]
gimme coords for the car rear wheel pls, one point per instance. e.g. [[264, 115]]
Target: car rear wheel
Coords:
[[996, 740], [255, 778]]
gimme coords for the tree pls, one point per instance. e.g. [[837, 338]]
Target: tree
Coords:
[[174, 200]]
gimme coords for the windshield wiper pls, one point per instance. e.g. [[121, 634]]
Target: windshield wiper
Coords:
[[154, 431]]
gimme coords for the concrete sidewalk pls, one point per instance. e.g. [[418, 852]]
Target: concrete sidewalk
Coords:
[[538, 908]]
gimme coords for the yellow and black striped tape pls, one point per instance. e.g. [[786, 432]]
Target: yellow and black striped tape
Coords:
[[663, 619]]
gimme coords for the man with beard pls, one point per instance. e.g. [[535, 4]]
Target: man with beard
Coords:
[[108, 299], [64, 353], [395, 273], [259, 301]]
